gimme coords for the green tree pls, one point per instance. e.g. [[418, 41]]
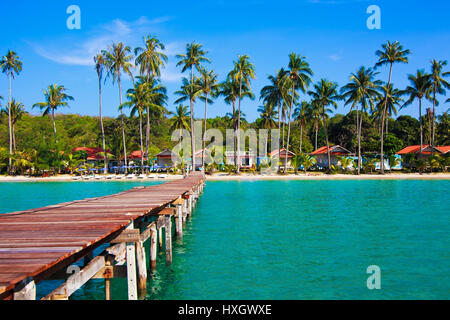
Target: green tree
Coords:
[[268, 115], [325, 94], [11, 65], [193, 58], [362, 90], [100, 65], [118, 58], [243, 72], [15, 113], [438, 85], [300, 77], [55, 97], [419, 89], [392, 52], [149, 58]]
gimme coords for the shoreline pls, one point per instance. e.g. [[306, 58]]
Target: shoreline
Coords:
[[249, 177]]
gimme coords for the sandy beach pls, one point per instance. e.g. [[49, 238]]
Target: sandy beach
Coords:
[[244, 176]]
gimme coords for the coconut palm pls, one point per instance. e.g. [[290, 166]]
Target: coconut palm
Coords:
[[100, 65], [268, 115], [243, 72], [420, 86], [230, 90], [362, 90], [275, 93], [193, 58], [149, 58], [301, 113], [325, 94], [118, 59], [438, 85], [392, 52], [180, 119], [345, 163], [16, 113], [299, 78], [315, 114], [390, 98], [209, 87], [137, 97], [55, 97], [306, 161], [11, 65]]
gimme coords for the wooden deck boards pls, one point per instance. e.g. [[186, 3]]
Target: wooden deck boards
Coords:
[[36, 240]]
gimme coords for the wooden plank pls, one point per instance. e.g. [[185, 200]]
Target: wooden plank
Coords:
[[128, 235]]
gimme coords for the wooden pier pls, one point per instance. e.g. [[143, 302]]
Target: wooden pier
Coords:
[[43, 244]]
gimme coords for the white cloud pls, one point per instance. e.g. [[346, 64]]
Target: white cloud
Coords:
[[336, 56], [81, 53]]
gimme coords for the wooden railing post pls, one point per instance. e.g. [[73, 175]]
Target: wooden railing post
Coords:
[[168, 229], [131, 268], [153, 246]]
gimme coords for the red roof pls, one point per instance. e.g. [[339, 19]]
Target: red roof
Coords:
[[283, 153], [324, 150], [135, 155], [93, 153], [426, 149]]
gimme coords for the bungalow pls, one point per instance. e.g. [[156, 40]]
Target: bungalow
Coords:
[[246, 158], [94, 155], [166, 158], [282, 154], [427, 150], [321, 155]]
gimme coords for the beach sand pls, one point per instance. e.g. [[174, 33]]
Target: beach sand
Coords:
[[245, 176]]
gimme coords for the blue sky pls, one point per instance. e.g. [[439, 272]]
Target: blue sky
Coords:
[[332, 34]]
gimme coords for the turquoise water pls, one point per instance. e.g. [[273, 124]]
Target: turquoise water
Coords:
[[291, 240]]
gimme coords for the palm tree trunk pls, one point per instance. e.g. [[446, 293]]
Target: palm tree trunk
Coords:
[[234, 132], [123, 128], [382, 124], [204, 135], [359, 140], [239, 128], [420, 121], [192, 120], [54, 128], [301, 135], [433, 119], [317, 131], [14, 137], [279, 136], [101, 120], [9, 125], [289, 128], [142, 144], [147, 137], [326, 139]]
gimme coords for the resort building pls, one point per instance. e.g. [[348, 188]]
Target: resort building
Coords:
[[413, 152], [247, 158], [94, 155], [336, 151], [282, 154], [165, 159]]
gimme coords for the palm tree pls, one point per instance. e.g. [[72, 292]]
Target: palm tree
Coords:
[[325, 94], [193, 58], [230, 90], [149, 58], [420, 86], [268, 115], [210, 88], [306, 161], [137, 97], [242, 73], [275, 93], [300, 77], [100, 65], [156, 99], [16, 112], [118, 59], [11, 65], [438, 86], [55, 97], [389, 99], [314, 113], [361, 90], [301, 113], [391, 53], [180, 119]]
